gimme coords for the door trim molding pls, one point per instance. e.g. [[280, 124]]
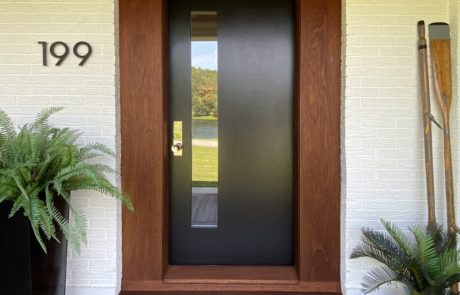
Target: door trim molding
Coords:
[[144, 159]]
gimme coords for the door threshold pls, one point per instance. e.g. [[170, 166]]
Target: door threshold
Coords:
[[223, 293], [234, 280], [247, 288], [223, 274]]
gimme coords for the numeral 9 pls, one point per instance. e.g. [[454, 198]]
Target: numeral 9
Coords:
[[62, 57], [84, 57]]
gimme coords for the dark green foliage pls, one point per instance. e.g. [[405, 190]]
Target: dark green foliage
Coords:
[[39, 163], [422, 262], [204, 92]]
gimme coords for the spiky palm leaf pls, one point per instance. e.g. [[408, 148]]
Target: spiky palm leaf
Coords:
[[378, 277], [381, 247], [39, 163], [422, 262]]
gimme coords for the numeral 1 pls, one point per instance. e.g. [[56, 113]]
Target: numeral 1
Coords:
[[45, 51]]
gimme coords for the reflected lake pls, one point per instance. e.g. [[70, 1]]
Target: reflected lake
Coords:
[[204, 129]]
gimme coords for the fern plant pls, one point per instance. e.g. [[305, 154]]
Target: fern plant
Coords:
[[39, 163], [424, 262]]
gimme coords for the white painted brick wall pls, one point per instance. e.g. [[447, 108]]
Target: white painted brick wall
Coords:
[[88, 93], [383, 124]]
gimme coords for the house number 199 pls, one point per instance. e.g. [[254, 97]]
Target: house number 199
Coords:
[[62, 55]]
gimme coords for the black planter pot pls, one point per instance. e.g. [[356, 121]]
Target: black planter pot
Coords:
[[24, 268]]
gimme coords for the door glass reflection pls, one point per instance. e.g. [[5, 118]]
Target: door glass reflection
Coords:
[[204, 119]]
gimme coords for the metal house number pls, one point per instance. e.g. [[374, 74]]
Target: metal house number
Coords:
[[61, 56]]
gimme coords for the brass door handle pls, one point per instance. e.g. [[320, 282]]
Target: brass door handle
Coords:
[[177, 145], [177, 148]]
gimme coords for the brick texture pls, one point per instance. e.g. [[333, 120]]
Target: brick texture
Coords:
[[87, 93], [383, 140]]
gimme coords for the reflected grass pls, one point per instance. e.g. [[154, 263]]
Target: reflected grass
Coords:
[[204, 170]]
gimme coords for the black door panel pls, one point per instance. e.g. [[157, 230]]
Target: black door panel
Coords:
[[255, 134]]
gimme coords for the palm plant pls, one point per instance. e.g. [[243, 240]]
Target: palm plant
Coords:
[[39, 163], [424, 263]]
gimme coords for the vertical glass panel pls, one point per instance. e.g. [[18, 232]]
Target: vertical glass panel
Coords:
[[204, 119]]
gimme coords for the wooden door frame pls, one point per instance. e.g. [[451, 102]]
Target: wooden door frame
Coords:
[[144, 160]]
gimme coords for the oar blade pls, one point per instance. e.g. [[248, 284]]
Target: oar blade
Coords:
[[441, 59]]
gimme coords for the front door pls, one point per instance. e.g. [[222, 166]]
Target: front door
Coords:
[[231, 75]]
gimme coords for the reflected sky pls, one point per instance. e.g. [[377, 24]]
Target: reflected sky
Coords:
[[204, 54]]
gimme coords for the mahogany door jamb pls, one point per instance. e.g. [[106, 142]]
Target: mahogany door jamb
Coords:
[[144, 160]]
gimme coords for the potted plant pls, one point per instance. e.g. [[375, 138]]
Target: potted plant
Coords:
[[425, 263], [40, 165]]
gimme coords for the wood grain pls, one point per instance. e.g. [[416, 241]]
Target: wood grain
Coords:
[[427, 132], [143, 122], [442, 71], [283, 275], [302, 287], [143, 67], [442, 75], [219, 293], [319, 140]]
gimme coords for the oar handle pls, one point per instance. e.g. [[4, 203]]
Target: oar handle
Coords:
[[421, 30], [449, 179]]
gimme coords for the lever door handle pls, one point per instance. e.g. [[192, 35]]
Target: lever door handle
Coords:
[[177, 147]]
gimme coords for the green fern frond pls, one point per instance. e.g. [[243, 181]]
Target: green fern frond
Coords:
[[34, 214], [8, 188], [47, 226], [77, 170], [6, 126], [65, 136], [76, 233], [40, 163], [17, 205], [69, 233], [19, 183], [44, 167], [45, 114], [102, 186], [95, 147], [102, 169], [80, 224]]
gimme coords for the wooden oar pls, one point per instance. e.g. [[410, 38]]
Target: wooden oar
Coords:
[[427, 134], [442, 74]]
